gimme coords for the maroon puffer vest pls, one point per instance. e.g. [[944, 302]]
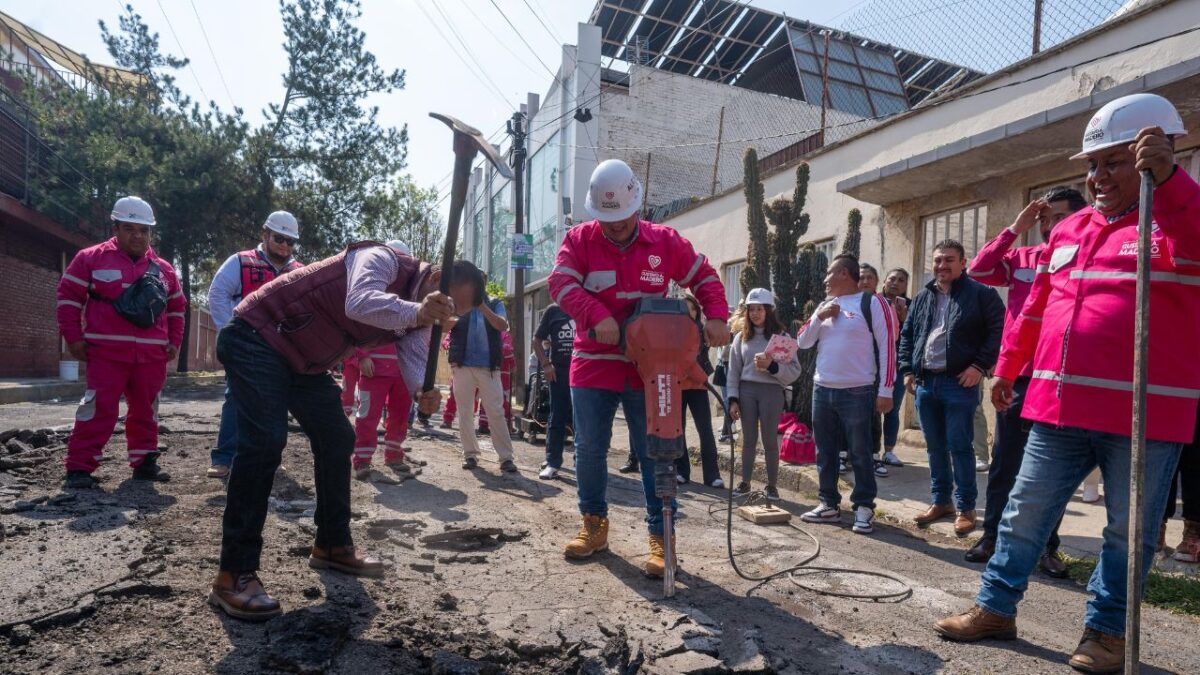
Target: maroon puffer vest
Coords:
[[302, 314]]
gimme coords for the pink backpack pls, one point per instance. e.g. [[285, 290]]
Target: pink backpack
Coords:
[[796, 444]]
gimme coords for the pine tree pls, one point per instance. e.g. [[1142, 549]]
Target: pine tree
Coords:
[[757, 273], [853, 239]]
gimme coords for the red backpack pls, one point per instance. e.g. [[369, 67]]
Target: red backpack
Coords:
[[796, 445]]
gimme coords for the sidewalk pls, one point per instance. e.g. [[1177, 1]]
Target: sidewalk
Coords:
[[26, 390]]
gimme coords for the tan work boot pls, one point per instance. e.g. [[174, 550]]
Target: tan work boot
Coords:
[[242, 596], [592, 537], [964, 523], [1099, 653], [1188, 549], [934, 512], [977, 624], [656, 564]]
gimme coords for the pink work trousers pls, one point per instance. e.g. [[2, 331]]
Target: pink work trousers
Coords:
[[375, 393], [96, 417]]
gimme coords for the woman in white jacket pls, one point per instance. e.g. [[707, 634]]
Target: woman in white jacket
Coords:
[[756, 383]]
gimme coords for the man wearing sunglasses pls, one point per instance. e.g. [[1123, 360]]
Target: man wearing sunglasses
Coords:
[[240, 275]]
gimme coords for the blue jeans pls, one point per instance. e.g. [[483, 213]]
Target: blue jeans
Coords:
[[947, 412], [1055, 463], [842, 421], [264, 390], [891, 421], [226, 447], [595, 410], [560, 413]]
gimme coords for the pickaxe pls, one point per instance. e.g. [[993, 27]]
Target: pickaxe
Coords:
[[467, 142]]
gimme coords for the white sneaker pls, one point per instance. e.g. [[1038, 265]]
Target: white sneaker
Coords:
[[864, 520], [717, 483], [822, 514], [891, 459], [548, 473], [1091, 493], [981, 465], [880, 469]]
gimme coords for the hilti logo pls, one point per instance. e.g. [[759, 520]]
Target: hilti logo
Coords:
[[664, 394]]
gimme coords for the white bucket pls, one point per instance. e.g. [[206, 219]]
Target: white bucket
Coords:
[[68, 370]]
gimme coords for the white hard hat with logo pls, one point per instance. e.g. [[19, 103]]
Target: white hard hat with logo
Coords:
[[760, 296], [400, 246], [282, 222], [1119, 121], [614, 193], [133, 210]]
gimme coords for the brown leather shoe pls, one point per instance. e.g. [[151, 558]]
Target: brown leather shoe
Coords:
[[346, 560], [977, 624], [935, 512], [964, 523], [241, 595], [1053, 564], [1099, 653]]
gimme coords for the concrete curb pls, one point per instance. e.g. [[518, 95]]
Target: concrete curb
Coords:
[[70, 390], [800, 478]]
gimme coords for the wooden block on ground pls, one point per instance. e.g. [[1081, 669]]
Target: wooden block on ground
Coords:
[[764, 514]]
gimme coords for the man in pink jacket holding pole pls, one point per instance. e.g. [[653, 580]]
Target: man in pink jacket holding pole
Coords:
[[1076, 329]]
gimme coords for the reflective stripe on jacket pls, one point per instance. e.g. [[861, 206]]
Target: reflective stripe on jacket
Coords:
[[105, 271], [1077, 326], [997, 264], [384, 358], [594, 279]]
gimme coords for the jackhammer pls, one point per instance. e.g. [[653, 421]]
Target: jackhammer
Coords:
[[663, 341]]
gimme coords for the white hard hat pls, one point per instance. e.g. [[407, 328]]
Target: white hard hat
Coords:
[[614, 193], [760, 296], [133, 210], [400, 246], [1119, 122], [283, 223]]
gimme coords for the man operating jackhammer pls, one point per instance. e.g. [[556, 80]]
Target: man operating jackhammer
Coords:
[[1077, 329], [277, 353], [603, 268]]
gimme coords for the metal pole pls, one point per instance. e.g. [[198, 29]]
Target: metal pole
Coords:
[[717, 159], [646, 190], [517, 129], [1037, 26], [1137, 460], [824, 84]]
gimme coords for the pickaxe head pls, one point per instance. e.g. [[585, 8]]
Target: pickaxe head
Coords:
[[468, 139]]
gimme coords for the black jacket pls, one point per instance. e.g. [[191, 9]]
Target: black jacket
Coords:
[[976, 323]]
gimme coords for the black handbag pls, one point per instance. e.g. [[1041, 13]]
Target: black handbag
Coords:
[[720, 374], [144, 301]]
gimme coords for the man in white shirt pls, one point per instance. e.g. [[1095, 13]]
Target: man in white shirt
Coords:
[[855, 335]]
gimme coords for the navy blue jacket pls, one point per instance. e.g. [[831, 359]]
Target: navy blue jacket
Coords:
[[976, 324], [458, 340]]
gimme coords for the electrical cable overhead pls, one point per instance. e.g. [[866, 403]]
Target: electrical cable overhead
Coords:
[[525, 42], [539, 20], [212, 53], [466, 4], [487, 83], [470, 54], [182, 52]]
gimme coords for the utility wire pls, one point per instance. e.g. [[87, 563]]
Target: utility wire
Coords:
[[525, 42], [539, 20], [179, 44], [470, 54], [212, 53], [488, 84], [502, 43]]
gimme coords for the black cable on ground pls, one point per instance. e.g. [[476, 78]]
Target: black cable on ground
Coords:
[[803, 568]]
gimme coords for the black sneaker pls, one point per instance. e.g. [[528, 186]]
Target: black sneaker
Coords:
[[741, 489], [507, 466], [483, 431], [80, 480], [772, 493], [149, 470], [629, 466], [470, 463]]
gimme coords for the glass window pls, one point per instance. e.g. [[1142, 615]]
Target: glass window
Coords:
[[849, 99], [844, 71], [733, 288], [886, 104], [885, 82], [812, 88], [840, 50], [876, 60], [967, 225], [501, 235], [808, 62], [827, 247], [544, 197]]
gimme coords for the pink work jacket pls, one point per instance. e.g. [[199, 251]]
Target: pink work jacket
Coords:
[[1076, 327], [387, 364], [998, 264], [594, 279], [105, 271]]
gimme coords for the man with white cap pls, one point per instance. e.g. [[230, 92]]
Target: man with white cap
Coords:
[[1079, 396], [603, 268], [120, 310], [240, 275]]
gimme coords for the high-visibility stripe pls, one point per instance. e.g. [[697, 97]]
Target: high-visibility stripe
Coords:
[[1115, 385], [635, 295], [1181, 261], [125, 338], [566, 289], [393, 357], [569, 272], [178, 294], [980, 273], [600, 357], [1031, 318], [1042, 269], [71, 303], [692, 272], [708, 280], [1169, 277], [178, 314], [77, 280]]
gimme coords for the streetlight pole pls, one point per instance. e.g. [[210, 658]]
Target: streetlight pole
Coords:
[[516, 129]]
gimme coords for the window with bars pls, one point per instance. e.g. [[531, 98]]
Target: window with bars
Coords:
[[828, 247], [967, 225], [733, 289]]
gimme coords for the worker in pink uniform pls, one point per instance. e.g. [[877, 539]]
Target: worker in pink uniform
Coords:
[[120, 310], [380, 385], [350, 377]]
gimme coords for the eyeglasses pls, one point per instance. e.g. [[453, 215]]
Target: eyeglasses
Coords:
[[280, 239]]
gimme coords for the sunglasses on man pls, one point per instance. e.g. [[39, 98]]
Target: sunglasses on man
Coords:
[[280, 239]]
